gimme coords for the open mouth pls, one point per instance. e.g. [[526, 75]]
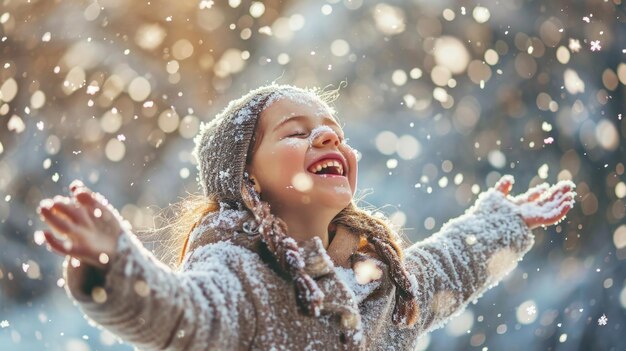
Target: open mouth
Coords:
[[327, 167]]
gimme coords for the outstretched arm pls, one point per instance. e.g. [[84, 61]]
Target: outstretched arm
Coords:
[[473, 252], [123, 287]]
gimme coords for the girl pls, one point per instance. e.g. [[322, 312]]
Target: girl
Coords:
[[281, 257]]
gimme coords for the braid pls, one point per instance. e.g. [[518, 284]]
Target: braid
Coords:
[[285, 250], [386, 246], [273, 232]]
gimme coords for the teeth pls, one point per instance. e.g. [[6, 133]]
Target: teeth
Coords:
[[319, 167]]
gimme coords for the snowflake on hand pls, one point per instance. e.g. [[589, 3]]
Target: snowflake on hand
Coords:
[[602, 320], [595, 45]]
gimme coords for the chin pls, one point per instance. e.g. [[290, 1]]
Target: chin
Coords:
[[338, 199]]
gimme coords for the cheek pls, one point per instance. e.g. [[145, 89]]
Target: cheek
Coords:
[[350, 155], [282, 161], [288, 157]]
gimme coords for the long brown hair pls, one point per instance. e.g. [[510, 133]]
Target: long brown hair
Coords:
[[284, 249]]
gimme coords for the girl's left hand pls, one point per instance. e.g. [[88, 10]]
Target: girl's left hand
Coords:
[[541, 205]]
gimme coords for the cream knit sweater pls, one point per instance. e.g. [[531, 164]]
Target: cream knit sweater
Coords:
[[227, 296]]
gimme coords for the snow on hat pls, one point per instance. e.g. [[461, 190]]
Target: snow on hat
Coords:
[[222, 145]]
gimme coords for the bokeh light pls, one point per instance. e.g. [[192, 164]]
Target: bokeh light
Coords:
[[440, 99]]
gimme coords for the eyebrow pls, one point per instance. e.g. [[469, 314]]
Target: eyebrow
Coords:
[[327, 121]]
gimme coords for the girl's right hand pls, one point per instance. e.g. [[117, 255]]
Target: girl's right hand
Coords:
[[90, 224]]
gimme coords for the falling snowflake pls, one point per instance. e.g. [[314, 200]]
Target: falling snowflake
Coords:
[[39, 237], [206, 4], [267, 30], [531, 310], [546, 127], [595, 45], [586, 19], [548, 140], [574, 45], [602, 320], [4, 324]]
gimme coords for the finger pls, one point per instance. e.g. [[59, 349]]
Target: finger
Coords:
[[563, 186], [59, 246], [505, 184], [554, 195], [93, 206], [70, 211], [58, 222], [95, 201], [100, 211], [91, 199], [551, 217], [549, 220], [80, 190], [556, 201], [532, 194], [50, 204], [75, 185]]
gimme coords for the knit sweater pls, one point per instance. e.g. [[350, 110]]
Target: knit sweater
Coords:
[[227, 294]]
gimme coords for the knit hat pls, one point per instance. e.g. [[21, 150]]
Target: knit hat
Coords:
[[222, 145]]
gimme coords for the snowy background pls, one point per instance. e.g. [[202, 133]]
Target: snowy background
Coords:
[[442, 97]]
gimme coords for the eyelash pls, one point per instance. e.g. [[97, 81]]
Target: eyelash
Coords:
[[297, 134]]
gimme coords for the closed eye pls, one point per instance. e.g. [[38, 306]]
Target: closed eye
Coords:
[[297, 134]]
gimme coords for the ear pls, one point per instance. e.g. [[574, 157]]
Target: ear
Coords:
[[255, 183]]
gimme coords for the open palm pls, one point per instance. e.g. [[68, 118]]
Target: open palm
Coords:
[[88, 222], [543, 204]]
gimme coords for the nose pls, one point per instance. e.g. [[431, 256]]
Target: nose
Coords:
[[326, 137]]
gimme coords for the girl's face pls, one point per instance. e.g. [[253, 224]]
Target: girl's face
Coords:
[[301, 157]]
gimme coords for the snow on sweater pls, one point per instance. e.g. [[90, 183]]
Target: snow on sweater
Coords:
[[227, 296]]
